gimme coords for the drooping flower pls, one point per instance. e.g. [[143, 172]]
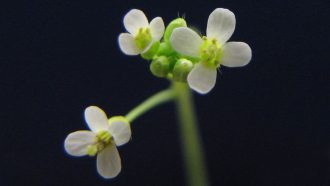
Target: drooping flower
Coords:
[[213, 49], [141, 34], [101, 140]]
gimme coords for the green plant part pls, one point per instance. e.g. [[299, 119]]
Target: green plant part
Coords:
[[176, 23], [160, 66], [182, 69], [151, 52], [166, 50], [119, 119]]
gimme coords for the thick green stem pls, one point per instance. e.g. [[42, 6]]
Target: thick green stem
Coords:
[[153, 101], [193, 153]]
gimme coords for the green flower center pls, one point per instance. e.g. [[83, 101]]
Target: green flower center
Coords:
[[211, 52], [143, 38], [103, 139]]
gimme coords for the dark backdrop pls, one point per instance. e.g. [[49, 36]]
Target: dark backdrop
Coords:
[[263, 125]]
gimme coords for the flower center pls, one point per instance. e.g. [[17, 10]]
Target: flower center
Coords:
[[143, 38], [211, 52], [103, 139]]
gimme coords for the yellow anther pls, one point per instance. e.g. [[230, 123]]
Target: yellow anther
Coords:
[[103, 139], [211, 52]]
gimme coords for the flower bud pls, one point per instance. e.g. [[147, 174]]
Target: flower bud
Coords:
[[182, 69], [160, 66], [166, 49], [176, 23]]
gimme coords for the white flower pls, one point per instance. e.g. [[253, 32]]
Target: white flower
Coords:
[[141, 34], [101, 140], [213, 49]]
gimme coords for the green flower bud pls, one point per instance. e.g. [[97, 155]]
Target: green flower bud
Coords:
[[182, 69], [176, 23], [151, 52], [160, 66], [166, 49]]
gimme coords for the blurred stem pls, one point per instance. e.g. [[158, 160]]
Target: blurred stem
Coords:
[[193, 153], [151, 102], [195, 169]]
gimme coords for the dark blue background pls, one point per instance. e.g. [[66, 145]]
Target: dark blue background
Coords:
[[266, 124]]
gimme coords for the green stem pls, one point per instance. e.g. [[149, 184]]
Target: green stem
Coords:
[[153, 101], [190, 140], [191, 143]]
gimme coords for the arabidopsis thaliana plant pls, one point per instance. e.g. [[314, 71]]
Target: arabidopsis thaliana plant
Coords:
[[213, 49], [141, 34], [101, 140]]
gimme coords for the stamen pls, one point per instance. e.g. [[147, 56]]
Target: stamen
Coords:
[[103, 139], [143, 38], [211, 52]]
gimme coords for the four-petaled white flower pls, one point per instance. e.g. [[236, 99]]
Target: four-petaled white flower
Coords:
[[141, 34], [213, 50], [101, 140]]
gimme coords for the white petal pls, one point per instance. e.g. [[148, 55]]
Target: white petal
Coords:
[[96, 119], [186, 41], [134, 20], [108, 162], [121, 131], [157, 28], [221, 25], [236, 54], [201, 78], [127, 44], [76, 143]]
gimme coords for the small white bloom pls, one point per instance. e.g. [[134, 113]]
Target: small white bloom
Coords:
[[101, 140], [141, 34], [213, 49]]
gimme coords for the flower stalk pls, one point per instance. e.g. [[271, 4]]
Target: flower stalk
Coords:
[[153, 101], [192, 149]]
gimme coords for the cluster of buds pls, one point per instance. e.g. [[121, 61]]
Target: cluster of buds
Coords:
[[180, 54]]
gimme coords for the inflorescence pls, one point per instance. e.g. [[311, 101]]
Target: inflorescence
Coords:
[[178, 54]]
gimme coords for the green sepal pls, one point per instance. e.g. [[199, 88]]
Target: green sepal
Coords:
[[176, 23], [151, 52], [160, 66], [182, 69], [165, 49], [118, 118]]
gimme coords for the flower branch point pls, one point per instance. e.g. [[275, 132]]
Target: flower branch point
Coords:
[[212, 50], [141, 34], [101, 140]]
